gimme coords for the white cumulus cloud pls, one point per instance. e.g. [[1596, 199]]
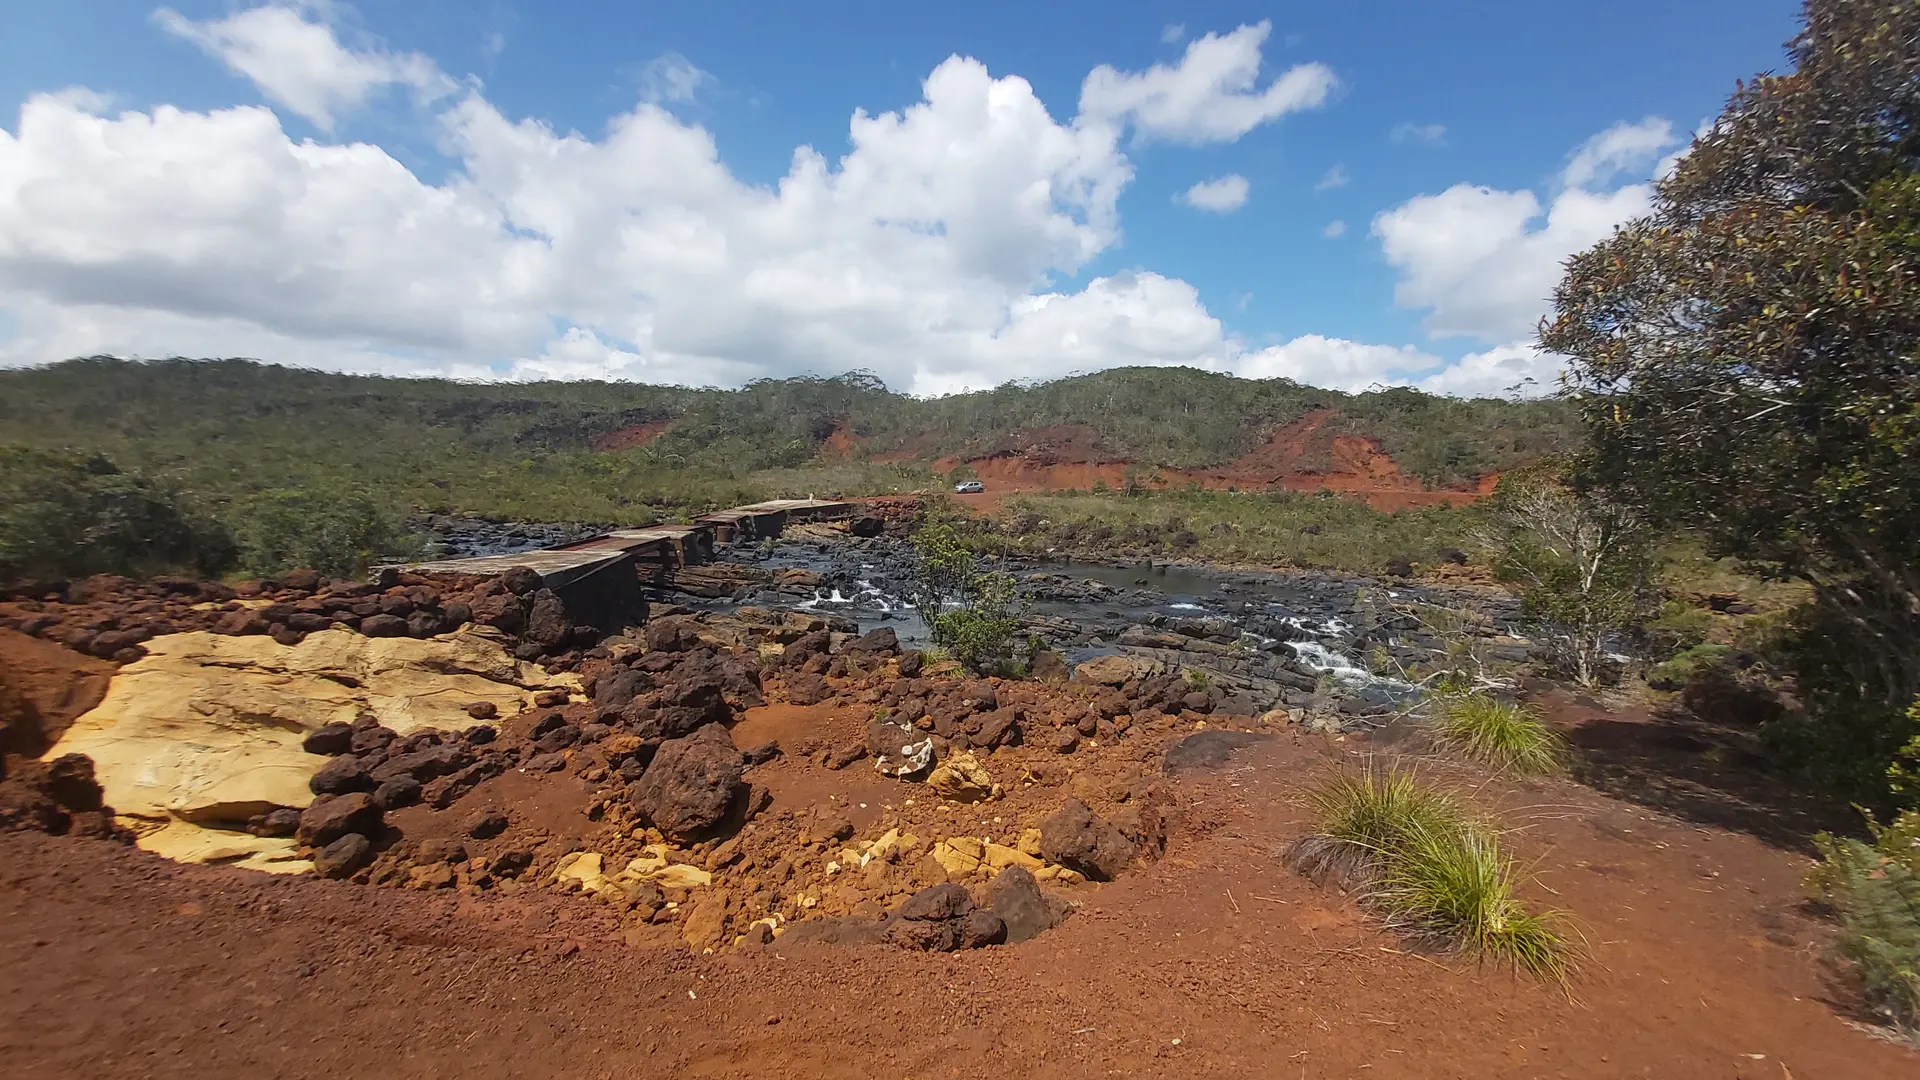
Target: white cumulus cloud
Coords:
[[1337, 363], [1220, 195], [1334, 230], [1620, 148], [1484, 262], [940, 249], [1210, 95], [301, 64]]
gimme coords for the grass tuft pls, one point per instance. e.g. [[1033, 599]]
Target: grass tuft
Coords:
[[1432, 870], [1506, 735], [1456, 886]]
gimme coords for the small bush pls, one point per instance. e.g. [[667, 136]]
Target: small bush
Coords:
[[338, 533], [1875, 889], [1506, 735], [1674, 672], [65, 515], [1432, 870]]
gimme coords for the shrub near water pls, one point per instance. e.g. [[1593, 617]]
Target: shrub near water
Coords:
[[1504, 734], [1431, 870]]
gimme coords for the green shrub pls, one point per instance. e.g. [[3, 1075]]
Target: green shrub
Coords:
[[65, 515], [1506, 735], [338, 533], [1676, 671], [1875, 890], [1432, 870]]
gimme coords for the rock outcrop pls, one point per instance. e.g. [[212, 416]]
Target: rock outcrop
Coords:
[[207, 730]]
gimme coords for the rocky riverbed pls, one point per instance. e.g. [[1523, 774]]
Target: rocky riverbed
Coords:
[[1312, 640]]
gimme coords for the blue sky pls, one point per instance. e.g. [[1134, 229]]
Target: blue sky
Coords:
[[413, 201]]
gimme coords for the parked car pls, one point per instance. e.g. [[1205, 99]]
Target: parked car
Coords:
[[969, 487]]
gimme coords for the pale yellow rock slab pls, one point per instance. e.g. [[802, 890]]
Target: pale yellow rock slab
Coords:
[[207, 728], [183, 842]]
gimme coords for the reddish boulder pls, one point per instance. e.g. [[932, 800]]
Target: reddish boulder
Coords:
[[690, 784], [1078, 839], [328, 820]]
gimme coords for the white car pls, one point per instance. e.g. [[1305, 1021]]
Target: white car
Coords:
[[969, 487]]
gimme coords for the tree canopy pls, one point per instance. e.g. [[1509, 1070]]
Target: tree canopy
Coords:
[[1747, 357]]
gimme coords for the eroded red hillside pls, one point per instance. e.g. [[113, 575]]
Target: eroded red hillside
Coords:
[[1309, 454]]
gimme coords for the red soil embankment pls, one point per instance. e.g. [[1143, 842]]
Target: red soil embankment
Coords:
[[43, 687], [1302, 456], [627, 438]]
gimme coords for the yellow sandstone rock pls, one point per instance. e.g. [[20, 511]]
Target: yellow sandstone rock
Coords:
[[1029, 842], [959, 856], [999, 857], [182, 842], [963, 779], [206, 729]]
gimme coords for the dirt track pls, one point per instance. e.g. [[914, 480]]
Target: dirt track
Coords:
[[1704, 965]]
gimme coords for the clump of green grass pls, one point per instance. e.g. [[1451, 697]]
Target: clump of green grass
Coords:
[[1365, 817], [1414, 853], [1457, 887], [1504, 734]]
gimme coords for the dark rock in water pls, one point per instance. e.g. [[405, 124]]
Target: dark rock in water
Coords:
[[1078, 839], [1209, 749], [867, 527], [343, 857]]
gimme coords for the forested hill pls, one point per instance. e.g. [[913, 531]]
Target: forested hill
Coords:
[[231, 426]]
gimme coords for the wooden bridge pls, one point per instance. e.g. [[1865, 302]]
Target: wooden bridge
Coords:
[[604, 579]]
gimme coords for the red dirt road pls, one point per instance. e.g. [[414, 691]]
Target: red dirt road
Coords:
[[1214, 962]]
